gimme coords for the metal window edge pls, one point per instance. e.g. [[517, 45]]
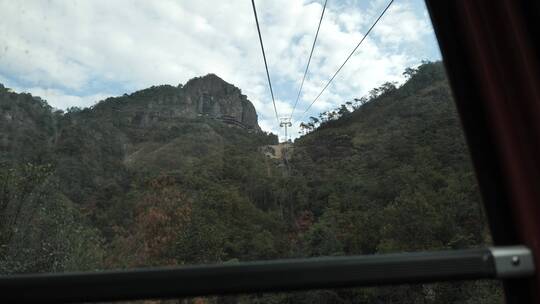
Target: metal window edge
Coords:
[[513, 262]]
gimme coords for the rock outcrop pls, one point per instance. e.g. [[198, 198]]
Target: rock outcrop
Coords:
[[207, 96], [217, 98]]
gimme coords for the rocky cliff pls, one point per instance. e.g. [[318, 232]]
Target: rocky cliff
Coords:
[[207, 96], [215, 97]]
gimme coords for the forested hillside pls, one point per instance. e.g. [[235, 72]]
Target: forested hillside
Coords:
[[162, 177]]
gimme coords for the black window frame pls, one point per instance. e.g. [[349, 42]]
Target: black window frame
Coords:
[[476, 38]]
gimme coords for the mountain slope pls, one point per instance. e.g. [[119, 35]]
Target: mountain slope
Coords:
[[404, 143], [392, 176], [27, 127]]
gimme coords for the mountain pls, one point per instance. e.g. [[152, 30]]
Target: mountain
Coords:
[[183, 175], [91, 170], [27, 126], [30, 126], [208, 96]]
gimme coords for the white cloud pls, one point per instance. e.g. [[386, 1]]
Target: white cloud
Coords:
[[402, 25], [60, 100], [76, 52]]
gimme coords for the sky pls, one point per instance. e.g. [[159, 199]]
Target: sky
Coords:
[[75, 53]]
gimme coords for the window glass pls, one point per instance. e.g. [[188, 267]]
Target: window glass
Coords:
[[138, 134]]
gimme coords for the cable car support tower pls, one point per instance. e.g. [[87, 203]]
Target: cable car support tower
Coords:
[[285, 122]]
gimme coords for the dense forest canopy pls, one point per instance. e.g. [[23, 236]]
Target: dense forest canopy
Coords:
[[139, 181]]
